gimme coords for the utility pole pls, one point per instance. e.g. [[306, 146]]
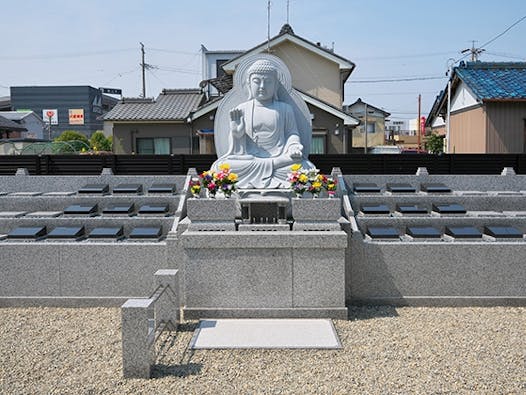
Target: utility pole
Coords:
[[475, 52], [365, 135], [450, 64], [268, 26], [143, 66], [418, 120]]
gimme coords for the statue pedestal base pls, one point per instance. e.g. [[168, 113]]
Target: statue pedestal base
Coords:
[[264, 274]]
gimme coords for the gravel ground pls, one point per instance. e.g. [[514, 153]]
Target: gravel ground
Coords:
[[386, 350]]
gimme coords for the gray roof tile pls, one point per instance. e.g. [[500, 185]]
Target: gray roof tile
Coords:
[[170, 105], [7, 124]]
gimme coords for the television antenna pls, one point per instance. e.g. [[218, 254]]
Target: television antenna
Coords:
[[475, 52]]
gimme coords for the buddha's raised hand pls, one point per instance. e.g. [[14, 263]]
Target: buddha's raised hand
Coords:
[[237, 122]]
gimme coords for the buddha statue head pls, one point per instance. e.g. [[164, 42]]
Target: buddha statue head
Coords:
[[262, 81]]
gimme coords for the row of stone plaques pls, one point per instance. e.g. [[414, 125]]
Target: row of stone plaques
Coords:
[[401, 188], [430, 232], [79, 232], [409, 208], [137, 189]]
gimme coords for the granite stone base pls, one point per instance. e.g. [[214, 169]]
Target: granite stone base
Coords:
[[264, 274]]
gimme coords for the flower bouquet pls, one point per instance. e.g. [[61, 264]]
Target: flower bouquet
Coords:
[[315, 182], [195, 187], [223, 180], [298, 179], [312, 181], [330, 184], [226, 180]]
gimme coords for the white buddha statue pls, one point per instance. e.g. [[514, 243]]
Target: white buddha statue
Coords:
[[264, 138]]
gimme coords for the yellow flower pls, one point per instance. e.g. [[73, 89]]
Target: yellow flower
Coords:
[[224, 166], [316, 184], [303, 178], [232, 177], [295, 167]]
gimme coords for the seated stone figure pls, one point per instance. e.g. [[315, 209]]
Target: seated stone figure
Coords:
[[264, 139]]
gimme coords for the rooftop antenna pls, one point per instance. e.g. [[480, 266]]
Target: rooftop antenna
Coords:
[[288, 3], [268, 26], [475, 52]]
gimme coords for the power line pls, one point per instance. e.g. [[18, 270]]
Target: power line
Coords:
[[493, 39], [506, 55], [172, 51], [66, 55], [157, 78], [395, 80], [416, 55], [118, 75], [391, 93], [504, 32]]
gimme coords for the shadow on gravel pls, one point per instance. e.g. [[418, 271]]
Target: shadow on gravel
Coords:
[[184, 370], [172, 360], [370, 312]]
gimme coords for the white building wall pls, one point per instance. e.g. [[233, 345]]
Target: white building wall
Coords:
[[209, 63], [463, 98]]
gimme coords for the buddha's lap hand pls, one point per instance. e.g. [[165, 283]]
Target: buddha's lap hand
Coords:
[[237, 122], [295, 151]]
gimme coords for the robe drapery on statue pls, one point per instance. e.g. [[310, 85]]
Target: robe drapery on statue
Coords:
[[260, 155]]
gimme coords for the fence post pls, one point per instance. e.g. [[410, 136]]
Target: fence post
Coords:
[[171, 164], [167, 306], [183, 164], [137, 338], [46, 164], [37, 165]]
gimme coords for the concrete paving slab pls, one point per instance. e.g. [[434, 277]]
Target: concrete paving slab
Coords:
[[265, 333]]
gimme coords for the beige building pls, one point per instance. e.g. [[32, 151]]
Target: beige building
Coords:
[[375, 120], [487, 110]]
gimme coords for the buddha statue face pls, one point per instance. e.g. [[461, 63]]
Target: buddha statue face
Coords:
[[262, 81], [262, 86]]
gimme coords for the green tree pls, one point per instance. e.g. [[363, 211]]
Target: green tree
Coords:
[[99, 142], [435, 143], [76, 140]]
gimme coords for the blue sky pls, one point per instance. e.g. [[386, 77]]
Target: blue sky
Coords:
[[73, 42]]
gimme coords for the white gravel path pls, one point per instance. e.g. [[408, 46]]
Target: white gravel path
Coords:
[[386, 350]]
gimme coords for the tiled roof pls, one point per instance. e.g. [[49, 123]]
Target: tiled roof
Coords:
[[15, 115], [494, 81], [170, 105], [6, 124]]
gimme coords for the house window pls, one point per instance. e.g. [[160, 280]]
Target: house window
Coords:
[[317, 144], [219, 70], [371, 127], [195, 144], [153, 146]]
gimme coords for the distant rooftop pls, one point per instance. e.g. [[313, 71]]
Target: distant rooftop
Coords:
[[170, 105], [7, 124], [494, 80]]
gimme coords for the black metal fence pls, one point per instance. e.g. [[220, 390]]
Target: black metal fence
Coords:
[[179, 164]]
